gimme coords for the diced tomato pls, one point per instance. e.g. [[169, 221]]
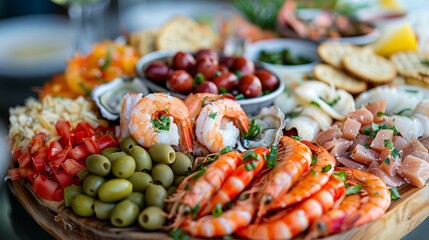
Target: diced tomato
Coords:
[[16, 153], [105, 142], [91, 145], [32, 175], [18, 173], [78, 137], [25, 159], [72, 166], [39, 163], [86, 128], [63, 178], [54, 149], [37, 141], [58, 195], [44, 187], [79, 152], [60, 158], [64, 129]]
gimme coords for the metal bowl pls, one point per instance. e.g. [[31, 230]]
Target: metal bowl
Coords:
[[251, 105]]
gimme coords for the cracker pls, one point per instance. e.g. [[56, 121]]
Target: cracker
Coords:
[[424, 82], [411, 64], [144, 41], [339, 79], [370, 67], [332, 52]]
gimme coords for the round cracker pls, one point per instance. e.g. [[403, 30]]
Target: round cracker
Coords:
[[411, 64], [339, 79], [332, 52], [370, 67]]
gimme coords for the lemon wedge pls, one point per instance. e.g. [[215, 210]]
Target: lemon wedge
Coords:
[[391, 5], [396, 39]]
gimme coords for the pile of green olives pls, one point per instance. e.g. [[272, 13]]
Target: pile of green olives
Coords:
[[129, 184]]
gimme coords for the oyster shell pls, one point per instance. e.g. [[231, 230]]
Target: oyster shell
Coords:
[[271, 121], [109, 96]]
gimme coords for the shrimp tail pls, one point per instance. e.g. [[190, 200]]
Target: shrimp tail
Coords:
[[313, 147], [187, 141]]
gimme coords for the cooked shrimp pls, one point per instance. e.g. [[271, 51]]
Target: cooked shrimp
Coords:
[[204, 186], [317, 176], [288, 223], [196, 102], [213, 129], [130, 100], [155, 119], [240, 215], [238, 181], [377, 201], [332, 220], [294, 161]]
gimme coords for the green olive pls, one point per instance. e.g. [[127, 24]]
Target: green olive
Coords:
[[128, 143], [137, 198], [83, 205], [109, 150], [114, 190], [155, 195], [98, 164], [124, 167], [142, 158], [115, 155], [178, 180], [140, 181], [192, 158], [182, 165], [171, 190], [152, 218], [162, 153], [91, 184], [70, 192], [162, 174], [124, 213], [102, 209]]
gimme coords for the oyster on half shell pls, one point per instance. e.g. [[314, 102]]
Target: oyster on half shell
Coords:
[[271, 121]]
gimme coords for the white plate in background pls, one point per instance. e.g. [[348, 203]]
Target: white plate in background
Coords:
[[34, 45]]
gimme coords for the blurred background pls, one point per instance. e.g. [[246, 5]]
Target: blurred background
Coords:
[[36, 39]]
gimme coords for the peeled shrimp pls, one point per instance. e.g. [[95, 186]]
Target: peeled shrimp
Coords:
[[240, 215], [292, 163], [377, 202], [332, 220], [214, 131], [202, 188], [287, 224], [152, 108], [238, 181], [196, 102], [130, 100], [317, 176]]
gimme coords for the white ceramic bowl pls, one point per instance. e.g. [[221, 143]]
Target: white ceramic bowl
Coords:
[[295, 46], [251, 106]]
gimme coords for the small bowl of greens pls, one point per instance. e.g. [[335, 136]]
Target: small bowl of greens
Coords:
[[284, 56]]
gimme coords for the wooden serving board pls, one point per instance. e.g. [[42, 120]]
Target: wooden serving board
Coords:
[[402, 217]]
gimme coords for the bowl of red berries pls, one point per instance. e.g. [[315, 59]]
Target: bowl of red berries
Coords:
[[205, 71]]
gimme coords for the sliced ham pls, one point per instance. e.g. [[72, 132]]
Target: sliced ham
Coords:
[[362, 115], [337, 147], [413, 146], [425, 142], [350, 128], [376, 108], [399, 142], [363, 155], [361, 139], [347, 162], [333, 132], [414, 170], [390, 181], [382, 135]]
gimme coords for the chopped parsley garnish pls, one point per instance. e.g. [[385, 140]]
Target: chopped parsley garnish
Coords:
[[272, 157], [297, 138], [380, 114], [333, 102], [367, 146], [326, 168], [162, 124], [248, 167], [225, 150], [250, 155], [238, 74], [199, 174], [108, 60], [387, 161], [254, 130], [195, 209], [388, 143], [213, 115], [340, 176], [315, 104], [217, 210], [199, 78], [374, 129], [239, 96], [353, 189], [178, 234], [313, 172], [292, 114], [395, 152], [313, 159], [394, 194], [402, 112]]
